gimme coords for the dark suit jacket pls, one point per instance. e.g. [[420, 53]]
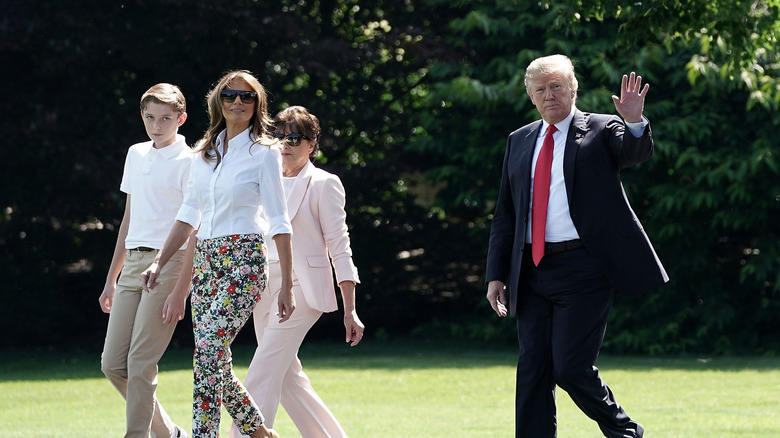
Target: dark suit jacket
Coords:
[[596, 151]]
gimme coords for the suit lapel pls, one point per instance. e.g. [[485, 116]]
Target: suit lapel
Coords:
[[527, 146], [577, 131], [298, 190]]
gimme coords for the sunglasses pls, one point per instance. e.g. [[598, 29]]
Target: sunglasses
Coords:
[[229, 96], [291, 139]]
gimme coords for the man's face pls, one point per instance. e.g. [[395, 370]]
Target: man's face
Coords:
[[553, 97]]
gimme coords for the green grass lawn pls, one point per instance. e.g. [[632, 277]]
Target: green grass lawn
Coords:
[[397, 390]]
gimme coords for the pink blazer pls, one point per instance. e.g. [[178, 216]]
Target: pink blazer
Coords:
[[320, 238]]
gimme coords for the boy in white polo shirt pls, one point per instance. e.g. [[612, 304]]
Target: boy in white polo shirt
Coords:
[[141, 324]]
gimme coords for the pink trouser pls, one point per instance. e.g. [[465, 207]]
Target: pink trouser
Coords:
[[275, 374]]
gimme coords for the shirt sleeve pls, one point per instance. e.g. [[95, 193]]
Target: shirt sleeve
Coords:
[[189, 212], [637, 128], [184, 178], [334, 229], [272, 194], [126, 183]]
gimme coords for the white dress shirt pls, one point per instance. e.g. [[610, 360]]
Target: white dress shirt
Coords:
[[560, 227], [230, 198], [273, 253], [156, 180]]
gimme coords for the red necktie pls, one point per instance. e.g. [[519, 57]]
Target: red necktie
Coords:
[[541, 195]]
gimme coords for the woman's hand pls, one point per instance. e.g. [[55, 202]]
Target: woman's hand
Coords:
[[286, 298], [174, 308], [149, 277], [176, 303], [286, 303], [354, 328], [179, 234]]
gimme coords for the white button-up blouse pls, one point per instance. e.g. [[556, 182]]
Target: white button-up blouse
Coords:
[[231, 198]]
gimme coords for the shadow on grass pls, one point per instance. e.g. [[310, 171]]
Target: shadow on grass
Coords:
[[42, 365]]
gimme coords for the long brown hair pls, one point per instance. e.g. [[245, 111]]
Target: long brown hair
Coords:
[[260, 124]]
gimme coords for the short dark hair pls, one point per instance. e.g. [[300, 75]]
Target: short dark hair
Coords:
[[300, 121]]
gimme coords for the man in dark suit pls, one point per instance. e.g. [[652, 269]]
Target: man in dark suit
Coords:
[[566, 239]]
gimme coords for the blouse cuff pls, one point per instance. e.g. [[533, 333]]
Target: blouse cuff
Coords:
[[189, 215], [279, 225]]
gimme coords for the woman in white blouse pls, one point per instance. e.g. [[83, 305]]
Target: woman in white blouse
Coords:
[[235, 183]]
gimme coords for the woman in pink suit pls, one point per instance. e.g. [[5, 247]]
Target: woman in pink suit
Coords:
[[315, 204]]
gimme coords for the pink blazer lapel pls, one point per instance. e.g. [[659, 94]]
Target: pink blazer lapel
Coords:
[[298, 190]]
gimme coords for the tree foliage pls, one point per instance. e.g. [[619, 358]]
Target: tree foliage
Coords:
[[709, 197], [416, 99], [78, 75]]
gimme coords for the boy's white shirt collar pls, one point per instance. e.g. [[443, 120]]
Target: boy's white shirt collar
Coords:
[[172, 149]]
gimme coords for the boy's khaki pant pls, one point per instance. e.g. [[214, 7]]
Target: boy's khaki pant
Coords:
[[136, 340]]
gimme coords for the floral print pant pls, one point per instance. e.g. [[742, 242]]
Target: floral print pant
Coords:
[[229, 273]]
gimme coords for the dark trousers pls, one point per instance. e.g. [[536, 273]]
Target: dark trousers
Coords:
[[562, 310]]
